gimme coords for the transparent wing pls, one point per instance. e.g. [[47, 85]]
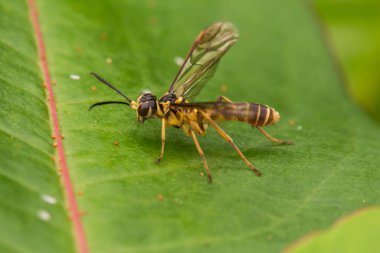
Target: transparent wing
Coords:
[[203, 58]]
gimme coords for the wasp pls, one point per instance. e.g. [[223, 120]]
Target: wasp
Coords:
[[175, 108]]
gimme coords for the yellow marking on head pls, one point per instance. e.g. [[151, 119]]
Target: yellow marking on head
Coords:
[[149, 112], [139, 97]]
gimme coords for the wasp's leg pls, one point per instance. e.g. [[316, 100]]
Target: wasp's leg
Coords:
[[230, 141], [272, 138], [202, 155], [163, 141], [223, 99]]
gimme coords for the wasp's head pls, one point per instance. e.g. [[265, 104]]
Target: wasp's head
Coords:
[[146, 106]]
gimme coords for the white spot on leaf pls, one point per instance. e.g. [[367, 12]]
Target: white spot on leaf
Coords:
[[49, 199], [44, 215], [74, 77]]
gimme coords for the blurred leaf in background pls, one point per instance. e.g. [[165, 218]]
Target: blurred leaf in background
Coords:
[[357, 232], [354, 28]]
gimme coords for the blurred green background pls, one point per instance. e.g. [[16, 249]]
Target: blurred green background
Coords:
[[353, 34]]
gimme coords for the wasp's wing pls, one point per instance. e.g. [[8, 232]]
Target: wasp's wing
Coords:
[[203, 58]]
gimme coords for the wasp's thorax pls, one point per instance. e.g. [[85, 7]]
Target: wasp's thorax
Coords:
[[168, 97], [146, 106]]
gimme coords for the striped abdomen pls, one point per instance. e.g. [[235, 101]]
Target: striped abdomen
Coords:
[[253, 114]]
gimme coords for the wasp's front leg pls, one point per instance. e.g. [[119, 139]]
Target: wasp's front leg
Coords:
[[162, 141]]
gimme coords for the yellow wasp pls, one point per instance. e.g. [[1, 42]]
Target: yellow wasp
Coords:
[[174, 108]]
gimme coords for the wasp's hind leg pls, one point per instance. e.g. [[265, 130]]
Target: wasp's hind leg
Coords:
[[201, 154], [230, 141], [223, 99], [275, 140], [162, 141]]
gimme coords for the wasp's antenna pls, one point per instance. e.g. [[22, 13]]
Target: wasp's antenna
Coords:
[[111, 86], [106, 103]]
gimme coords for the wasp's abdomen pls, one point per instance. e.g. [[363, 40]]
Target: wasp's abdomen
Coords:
[[253, 114]]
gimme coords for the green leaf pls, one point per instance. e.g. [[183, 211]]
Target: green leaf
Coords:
[[32, 209], [357, 232], [132, 205]]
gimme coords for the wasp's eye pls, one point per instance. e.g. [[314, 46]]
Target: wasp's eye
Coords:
[[146, 109], [143, 109]]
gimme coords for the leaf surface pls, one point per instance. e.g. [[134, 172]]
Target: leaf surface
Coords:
[[279, 60], [132, 205]]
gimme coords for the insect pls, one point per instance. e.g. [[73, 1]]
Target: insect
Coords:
[[175, 108]]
